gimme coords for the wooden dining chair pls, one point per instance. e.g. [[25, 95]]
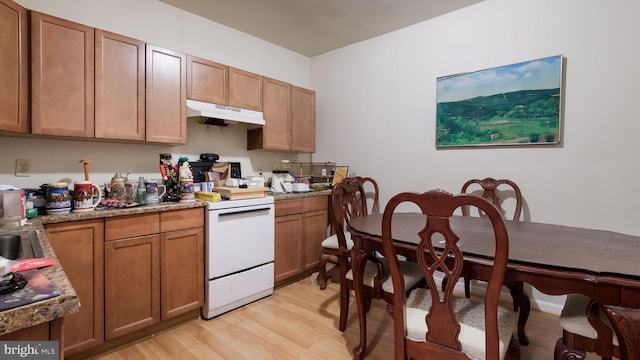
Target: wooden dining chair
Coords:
[[330, 248], [585, 328], [437, 324], [488, 189], [348, 200]]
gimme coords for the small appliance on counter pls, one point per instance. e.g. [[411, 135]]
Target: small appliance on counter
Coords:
[[204, 164]]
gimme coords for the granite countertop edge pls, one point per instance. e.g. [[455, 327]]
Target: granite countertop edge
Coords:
[[293, 195], [67, 302]]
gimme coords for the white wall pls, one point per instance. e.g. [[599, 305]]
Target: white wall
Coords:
[[376, 107], [163, 25]]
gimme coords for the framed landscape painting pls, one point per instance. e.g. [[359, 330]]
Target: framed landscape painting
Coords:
[[518, 104]]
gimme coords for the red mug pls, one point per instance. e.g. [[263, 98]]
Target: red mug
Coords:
[[83, 196]]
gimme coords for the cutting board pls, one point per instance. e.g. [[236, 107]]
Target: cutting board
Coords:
[[238, 193]]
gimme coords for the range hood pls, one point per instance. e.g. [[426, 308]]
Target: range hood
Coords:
[[222, 115]]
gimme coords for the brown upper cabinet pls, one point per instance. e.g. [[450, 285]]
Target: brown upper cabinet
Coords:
[[14, 77], [303, 120], [119, 87], [290, 116], [207, 81], [62, 77], [245, 89], [166, 96], [275, 135]]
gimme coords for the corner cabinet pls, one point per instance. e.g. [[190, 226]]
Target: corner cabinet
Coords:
[[119, 87], [79, 249], [300, 227], [303, 120], [290, 116], [14, 77], [166, 96], [62, 77]]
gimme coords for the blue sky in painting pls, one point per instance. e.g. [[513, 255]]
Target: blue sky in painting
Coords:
[[531, 75]]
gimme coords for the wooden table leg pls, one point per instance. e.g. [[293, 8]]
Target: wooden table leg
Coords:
[[626, 324], [358, 262], [524, 308]]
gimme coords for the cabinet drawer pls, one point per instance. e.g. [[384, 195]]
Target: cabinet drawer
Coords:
[[122, 227], [181, 219], [315, 203], [288, 207]]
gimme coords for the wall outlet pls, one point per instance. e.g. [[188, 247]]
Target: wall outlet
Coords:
[[23, 167]]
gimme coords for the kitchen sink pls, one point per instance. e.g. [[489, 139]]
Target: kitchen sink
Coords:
[[20, 244]]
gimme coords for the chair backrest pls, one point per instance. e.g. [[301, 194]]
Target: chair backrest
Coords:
[[489, 187], [348, 200], [372, 193], [436, 237]]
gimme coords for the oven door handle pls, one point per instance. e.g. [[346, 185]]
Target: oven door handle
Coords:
[[243, 211]]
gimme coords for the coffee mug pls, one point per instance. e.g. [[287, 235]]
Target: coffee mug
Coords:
[[83, 196], [155, 191], [187, 191], [58, 198]]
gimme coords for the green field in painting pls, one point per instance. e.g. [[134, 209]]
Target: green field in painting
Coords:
[[527, 116]]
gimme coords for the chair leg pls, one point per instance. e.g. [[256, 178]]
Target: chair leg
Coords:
[[344, 292], [467, 287], [344, 304], [322, 271], [562, 352]]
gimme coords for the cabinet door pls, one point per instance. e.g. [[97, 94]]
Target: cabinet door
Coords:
[[14, 77], [315, 224], [245, 89], [166, 96], [303, 120], [119, 87], [79, 248], [207, 81], [288, 246], [182, 274], [62, 77], [275, 134], [132, 285]]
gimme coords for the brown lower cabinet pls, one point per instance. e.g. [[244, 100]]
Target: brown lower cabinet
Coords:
[[79, 248], [131, 272], [300, 227]]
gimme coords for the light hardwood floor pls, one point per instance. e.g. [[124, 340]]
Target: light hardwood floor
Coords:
[[299, 321]]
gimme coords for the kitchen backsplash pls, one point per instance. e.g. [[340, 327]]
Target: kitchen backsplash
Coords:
[[58, 160]]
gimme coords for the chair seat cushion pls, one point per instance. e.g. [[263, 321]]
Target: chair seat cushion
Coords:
[[573, 317], [410, 271], [332, 241], [470, 314]]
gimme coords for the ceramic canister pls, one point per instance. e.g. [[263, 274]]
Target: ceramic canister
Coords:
[[83, 196], [155, 191]]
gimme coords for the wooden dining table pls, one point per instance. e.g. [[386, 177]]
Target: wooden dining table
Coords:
[[555, 259]]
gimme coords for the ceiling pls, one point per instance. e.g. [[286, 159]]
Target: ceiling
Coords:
[[313, 27]]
